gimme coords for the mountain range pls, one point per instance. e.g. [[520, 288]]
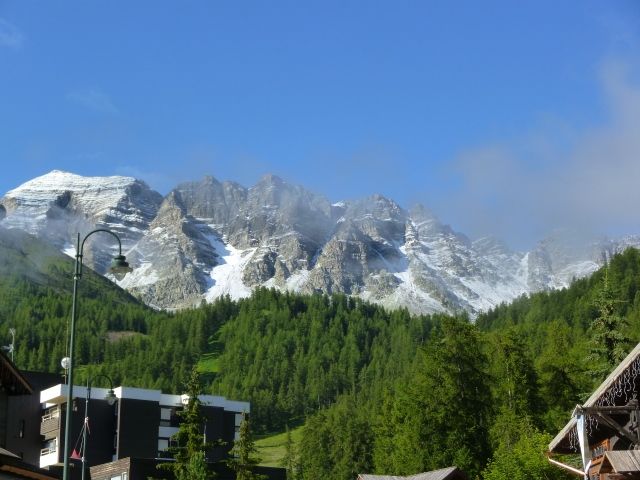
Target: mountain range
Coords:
[[209, 238]]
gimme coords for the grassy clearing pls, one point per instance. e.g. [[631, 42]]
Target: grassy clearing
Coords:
[[113, 336], [209, 364], [272, 449]]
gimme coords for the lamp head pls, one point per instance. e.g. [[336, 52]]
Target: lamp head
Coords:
[[110, 397], [65, 363], [119, 267]]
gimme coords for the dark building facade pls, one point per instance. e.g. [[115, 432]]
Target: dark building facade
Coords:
[[21, 431]]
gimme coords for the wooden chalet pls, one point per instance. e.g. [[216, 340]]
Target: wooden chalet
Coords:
[[450, 473], [605, 431]]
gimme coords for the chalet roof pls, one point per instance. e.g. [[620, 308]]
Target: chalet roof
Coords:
[[621, 461], [608, 393], [11, 466], [7, 453], [11, 380], [450, 473]]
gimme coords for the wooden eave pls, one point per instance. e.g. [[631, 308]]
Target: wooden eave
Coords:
[[12, 464], [11, 379]]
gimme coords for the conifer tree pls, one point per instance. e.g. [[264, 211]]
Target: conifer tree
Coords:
[[515, 379], [290, 460], [608, 343], [440, 416], [337, 441], [190, 452], [243, 454], [521, 454]]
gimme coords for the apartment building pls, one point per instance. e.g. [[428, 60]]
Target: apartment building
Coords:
[[139, 424]]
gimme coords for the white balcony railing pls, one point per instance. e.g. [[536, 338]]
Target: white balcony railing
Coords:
[[48, 457], [51, 415]]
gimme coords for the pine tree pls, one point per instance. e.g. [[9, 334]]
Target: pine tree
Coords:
[[243, 453], [521, 453], [337, 441], [290, 460], [516, 383], [440, 416], [608, 343], [190, 453]]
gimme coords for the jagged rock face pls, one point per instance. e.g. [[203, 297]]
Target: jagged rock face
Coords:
[[212, 201], [172, 259], [211, 238], [274, 210], [365, 241]]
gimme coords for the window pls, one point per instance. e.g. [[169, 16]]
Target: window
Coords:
[[163, 444], [165, 417]]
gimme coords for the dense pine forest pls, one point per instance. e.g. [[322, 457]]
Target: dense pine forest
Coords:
[[377, 390]]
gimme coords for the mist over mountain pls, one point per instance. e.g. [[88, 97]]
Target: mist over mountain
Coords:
[[209, 238]]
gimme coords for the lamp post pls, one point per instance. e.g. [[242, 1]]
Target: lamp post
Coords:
[[119, 268], [110, 397]]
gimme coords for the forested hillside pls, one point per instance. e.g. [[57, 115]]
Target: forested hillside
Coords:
[[378, 391]]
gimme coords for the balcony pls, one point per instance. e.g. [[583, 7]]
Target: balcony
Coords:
[[50, 423], [48, 457]]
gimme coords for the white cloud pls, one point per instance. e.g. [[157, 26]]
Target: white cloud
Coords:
[[93, 99], [587, 180], [10, 35], [161, 182]]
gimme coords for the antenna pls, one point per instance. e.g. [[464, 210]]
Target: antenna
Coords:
[[10, 348]]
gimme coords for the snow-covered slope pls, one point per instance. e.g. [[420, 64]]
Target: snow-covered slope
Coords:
[[59, 204], [206, 239]]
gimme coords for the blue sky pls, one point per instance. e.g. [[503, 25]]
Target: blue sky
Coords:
[[506, 118]]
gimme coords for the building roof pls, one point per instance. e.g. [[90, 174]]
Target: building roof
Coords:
[[7, 453], [57, 394], [617, 389], [11, 380], [449, 473], [11, 464], [621, 461]]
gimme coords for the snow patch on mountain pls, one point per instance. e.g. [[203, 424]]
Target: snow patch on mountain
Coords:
[[144, 274], [226, 277]]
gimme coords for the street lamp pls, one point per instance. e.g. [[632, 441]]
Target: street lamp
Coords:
[[119, 268], [110, 397]]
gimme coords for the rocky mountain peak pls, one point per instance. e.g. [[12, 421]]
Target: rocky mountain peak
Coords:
[[209, 199], [62, 203], [270, 180], [208, 238]]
